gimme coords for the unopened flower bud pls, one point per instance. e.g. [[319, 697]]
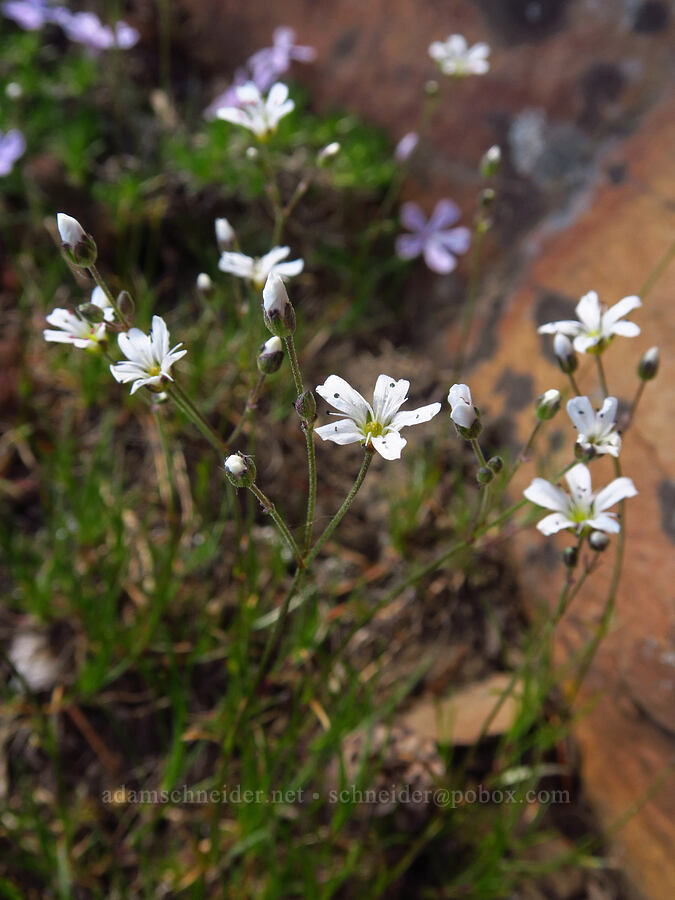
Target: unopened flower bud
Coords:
[[240, 470], [496, 463], [278, 311], [486, 198], [564, 351], [463, 413], [91, 312], [160, 399], [489, 164], [251, 152], [570, 555], [224, 233], [305, 406], [13, 90], [204, 284], [547, 405], [271, 356], [431, 88], [484, 475], [79, 246], [126, 305], [598, 541], [406, 146], [649, 364], [328, 152]]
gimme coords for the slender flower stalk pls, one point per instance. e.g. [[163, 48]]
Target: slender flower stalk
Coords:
[[187, 406], [284, 530], [101, 282]]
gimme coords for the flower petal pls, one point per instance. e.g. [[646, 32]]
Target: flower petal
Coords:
[[554, 523], [412, 217], [457, 239], [625, 329], [619, 310], [290, 269], [545, 494], [581, 413], [589, 312], [342, 432], [236, 264], [569, 327], [414, 416], [342, 396], [605, 522], [389, 395], [579, 481], [160, 338], [616, 490], [276, 254], [389, 445], [408, 246], [438, 258], [607, 413], [444, 215], [459, 393]]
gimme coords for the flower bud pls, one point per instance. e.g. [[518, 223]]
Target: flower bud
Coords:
[[547, 405], [598, 541], [278, 311], [570, 555], [204, 284], [496, 463], [126, 305], [649, 364], [564, 351], [251, 152], [159, 399], [486, 198], [271, 356], [431, 88], [224, 233], [463, 413], [489, 164], [327, 153], [305, 406], [584, 452], [13, 90], [80, 247], [240, 470], [484, 475], [91, 312], [406, 146]]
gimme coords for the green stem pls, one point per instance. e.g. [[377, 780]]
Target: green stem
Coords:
[[658, 271], [311, 495], [251, 404], [100, 281], [295, 365], [270, 508], [575, 386], [601, 374], [524, 453], [339, 515], [479, 232], [191, 411], [478, 452], [634, 404]]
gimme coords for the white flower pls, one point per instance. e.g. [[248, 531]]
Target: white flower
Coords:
[[224, 233], [257, 270], [204, 283], [74, 330], [259, 114], [595, 327], [33, 659], [328, 152], [583, 509], [149, 359], [596, 431], [463, 412], [455, 57], [235, 464], [70, 230], [376, 426], [98, 298]]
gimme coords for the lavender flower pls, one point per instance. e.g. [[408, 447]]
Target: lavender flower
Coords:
[[229, 97], [12, 146], [406, 146], [433, 238], [86, 28], [268, 64], [28, 14]]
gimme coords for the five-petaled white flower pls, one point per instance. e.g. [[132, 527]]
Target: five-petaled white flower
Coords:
[[148, 358], [455, 57], [259, 114], [597, 431], [596, 326], [376, 426], [582, 509], [463, 412], [74, 330], [258, 269]]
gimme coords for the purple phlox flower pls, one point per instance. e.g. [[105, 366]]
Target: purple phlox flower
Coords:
[[86, 28], [268, 64], [12, 146], [433, 238], [28, 14]]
